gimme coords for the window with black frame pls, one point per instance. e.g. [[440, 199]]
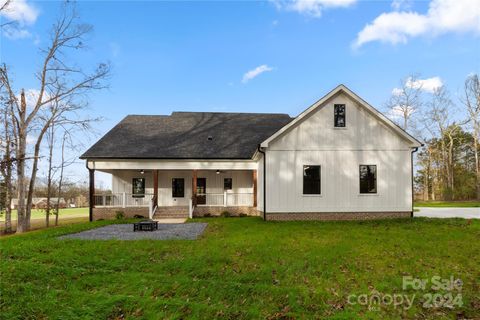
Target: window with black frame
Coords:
[[178, 188], [368, 179], [311, 180], [339, 115], [138, 187], [227, 184]]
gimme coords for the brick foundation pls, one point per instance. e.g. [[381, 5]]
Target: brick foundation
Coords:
[[337, 215], [217, 211], [110, 213]]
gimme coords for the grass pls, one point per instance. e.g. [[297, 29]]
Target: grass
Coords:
[[241, 268], [65, 216], [448, 204]]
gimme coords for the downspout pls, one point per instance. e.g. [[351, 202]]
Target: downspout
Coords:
[[413, 193], [264, 182]]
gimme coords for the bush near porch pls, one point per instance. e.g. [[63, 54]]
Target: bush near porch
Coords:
[[241, 268]]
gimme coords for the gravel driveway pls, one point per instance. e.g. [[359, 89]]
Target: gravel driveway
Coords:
[[177, 231], [467, 213]]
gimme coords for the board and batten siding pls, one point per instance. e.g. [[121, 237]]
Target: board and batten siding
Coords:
[[339, 152], [242, 182]]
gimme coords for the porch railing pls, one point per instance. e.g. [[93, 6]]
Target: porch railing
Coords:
[[225, 199], [122, 200]]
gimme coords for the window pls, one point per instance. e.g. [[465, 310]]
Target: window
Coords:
[[178, 188], [227, 184], [311, 179], [138, 187], [368, 179], [339, 115]]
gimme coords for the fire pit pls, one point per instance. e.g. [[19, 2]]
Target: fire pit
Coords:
[[146, 225]]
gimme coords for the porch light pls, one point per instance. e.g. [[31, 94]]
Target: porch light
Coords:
[[218, 172], [142, 171]]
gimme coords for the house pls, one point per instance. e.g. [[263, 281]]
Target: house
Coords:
[[338, 159], [41, 203]]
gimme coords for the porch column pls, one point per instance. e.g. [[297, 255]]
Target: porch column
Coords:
[[254, 176], [91, 193], [194, 187], [155, 187]]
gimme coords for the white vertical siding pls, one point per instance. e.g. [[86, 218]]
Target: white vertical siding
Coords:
[[339, 152]]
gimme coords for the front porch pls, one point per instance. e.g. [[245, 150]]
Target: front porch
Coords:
[[161, 193]]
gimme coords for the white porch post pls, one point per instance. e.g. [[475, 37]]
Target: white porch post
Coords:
[[104, 200], [124, 200], [224, 198]]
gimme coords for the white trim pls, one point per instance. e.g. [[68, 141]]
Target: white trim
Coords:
[[341, 88], [142, 164]]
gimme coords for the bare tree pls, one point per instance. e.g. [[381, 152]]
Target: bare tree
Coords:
[[471, 100], [61, 93], [438, 122], [405, 101], [6, 166], [50, 145]]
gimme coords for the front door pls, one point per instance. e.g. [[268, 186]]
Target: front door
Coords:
[[201, 190]]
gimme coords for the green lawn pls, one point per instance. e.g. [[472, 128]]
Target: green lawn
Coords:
[[40, 214], [458, 204], [242, 268]]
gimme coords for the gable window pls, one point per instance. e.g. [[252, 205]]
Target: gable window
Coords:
[[311, 179], [178, 188], [368, 179], [227, 184], [138, 187], [339, 115]]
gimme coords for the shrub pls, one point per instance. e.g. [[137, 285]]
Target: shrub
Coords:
[[119, 215], [138, 216], [241, 215], [207, 215], [225, 214]]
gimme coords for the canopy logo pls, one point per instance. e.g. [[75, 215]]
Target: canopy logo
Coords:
[[442, 292]]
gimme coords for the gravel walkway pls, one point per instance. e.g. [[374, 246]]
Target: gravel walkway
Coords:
[[178, 231]]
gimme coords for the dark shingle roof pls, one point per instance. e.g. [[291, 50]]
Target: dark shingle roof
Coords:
[[185, 135]]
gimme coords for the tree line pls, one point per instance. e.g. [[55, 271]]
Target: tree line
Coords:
[[447, 165], [51, 114]]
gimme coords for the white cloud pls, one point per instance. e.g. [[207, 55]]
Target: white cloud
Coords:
[[312, 8], [427, 85], [18, 14], [20, 11], [255, 72], [13, 32], [443, 16]]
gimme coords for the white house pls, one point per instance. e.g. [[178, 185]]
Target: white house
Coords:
[[339, 159]]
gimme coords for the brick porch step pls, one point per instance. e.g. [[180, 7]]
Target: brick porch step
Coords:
[[171, 213]]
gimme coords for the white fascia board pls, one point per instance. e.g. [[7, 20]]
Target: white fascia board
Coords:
[[120, 164]]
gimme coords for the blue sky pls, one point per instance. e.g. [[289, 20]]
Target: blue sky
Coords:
[[169, 56]]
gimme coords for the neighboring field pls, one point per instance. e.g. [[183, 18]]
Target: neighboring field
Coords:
[[65, 216], [241, 268], [457, 204]]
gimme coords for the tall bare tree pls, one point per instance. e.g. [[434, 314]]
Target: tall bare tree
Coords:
[[405, 101], [471, 100], [6, 166], [61, 93]]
